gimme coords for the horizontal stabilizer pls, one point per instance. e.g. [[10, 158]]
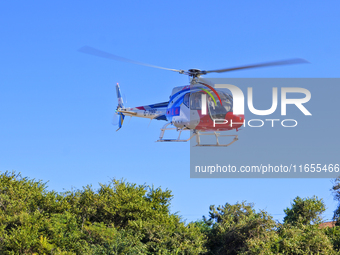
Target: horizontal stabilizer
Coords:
[[127, 112]]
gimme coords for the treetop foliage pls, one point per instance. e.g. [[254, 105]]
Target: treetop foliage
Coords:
[[118, 218], [305, 211], [126, 218]]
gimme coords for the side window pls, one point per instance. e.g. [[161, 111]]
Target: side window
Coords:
[[195, 101], [228, 103], [186, 99]]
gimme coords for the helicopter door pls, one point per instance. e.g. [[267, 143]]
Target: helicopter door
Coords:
[[218, 111], [195, 101], [215, 109]]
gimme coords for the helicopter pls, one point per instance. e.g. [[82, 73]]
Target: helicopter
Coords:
[[194, 107]]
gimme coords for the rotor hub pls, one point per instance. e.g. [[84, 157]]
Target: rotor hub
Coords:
[[195, 72]]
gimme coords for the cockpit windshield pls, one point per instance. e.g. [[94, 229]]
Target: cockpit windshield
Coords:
[[215, 109]]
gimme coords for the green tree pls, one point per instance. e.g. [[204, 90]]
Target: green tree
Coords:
[[300, 233], [125, 218], [333, 235], [239, 229], [235, 227], [336, 194], [118, 218], [334, 232], [305, 211], [303, 239]]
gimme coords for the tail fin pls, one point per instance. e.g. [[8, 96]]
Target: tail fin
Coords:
[[121, 120], [120, 105], [119, 96]]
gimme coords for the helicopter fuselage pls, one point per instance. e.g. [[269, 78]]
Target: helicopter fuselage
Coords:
[[185, 110]]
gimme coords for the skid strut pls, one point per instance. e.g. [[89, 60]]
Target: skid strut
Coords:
[[217, 144], [197, 134], [165, 127]]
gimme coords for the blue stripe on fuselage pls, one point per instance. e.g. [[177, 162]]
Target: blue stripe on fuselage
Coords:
[[173, 111]]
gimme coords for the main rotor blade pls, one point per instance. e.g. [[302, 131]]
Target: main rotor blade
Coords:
[[103, 54], [275, 63]]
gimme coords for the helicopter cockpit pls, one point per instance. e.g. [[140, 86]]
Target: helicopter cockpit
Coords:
[[214, 107]]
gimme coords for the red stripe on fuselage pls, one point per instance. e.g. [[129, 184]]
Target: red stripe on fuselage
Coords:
[[207, 124]]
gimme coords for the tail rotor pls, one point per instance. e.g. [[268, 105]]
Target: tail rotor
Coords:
[[119, 117]]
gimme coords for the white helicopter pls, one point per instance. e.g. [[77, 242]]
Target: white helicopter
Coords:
[[195, 107]]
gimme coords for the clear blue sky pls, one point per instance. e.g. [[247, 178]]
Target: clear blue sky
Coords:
[[57, 104]]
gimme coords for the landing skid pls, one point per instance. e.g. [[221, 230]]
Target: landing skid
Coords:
[[165, 127], [197, 134], [217, 144]]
